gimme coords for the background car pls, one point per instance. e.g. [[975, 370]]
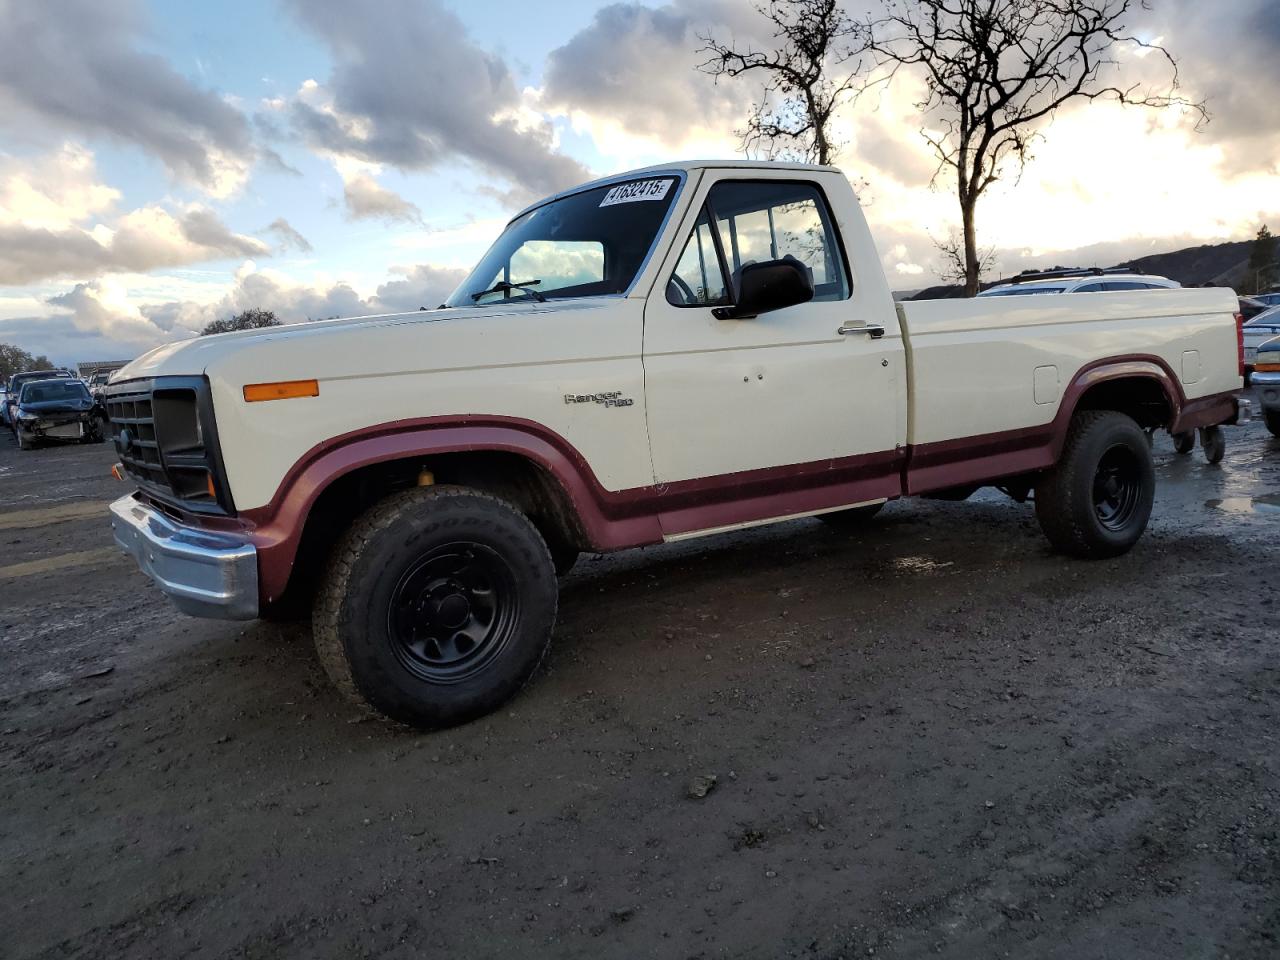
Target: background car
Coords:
[[15, 387], [56, 409], [1090, 280], [1270, 299], [1266, 378], [4, 407], [1257, 331], [1250, 307]]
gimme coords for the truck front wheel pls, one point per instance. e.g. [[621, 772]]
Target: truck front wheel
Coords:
[[437, 606], [1096, 501]]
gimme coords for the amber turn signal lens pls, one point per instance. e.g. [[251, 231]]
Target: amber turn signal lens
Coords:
[[212, 492], [116, 472], [285, 390]]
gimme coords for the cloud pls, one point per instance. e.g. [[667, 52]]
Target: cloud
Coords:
[[78, 67], [145, 239], [638, 66], [57, 220], [424, 285], [630, 78], [366, 199], [105, 318], [284, 232], [60, 339], [409, 88], [1227, 56], [291, 301], [53, 191]]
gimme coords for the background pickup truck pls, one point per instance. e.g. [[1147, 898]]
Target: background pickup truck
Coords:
[[663, 354]]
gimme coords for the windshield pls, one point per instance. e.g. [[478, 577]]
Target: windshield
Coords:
[[589, 244], [43, 392]]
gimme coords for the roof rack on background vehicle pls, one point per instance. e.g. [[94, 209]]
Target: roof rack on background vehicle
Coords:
[[1029, 275]]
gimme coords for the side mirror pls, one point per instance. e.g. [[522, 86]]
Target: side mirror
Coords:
[[766, 286]]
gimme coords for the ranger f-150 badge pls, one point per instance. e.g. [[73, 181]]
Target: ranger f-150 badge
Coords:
[[613, 398]]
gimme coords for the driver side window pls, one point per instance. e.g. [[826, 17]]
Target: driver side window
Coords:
[[758, 221]]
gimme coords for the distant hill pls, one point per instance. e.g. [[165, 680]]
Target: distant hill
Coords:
[[1222, 264]]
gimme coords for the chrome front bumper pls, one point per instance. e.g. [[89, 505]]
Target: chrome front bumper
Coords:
[[206, 573]]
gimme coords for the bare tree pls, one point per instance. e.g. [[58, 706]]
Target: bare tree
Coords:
[[996, 71], [955, 262], [814, 40]]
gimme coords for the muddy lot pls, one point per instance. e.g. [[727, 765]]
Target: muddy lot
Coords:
[[935, 738]]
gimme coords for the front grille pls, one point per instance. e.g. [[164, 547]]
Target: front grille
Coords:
[[133, 430], [164, 435]]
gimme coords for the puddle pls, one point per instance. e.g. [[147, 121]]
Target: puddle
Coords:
[[1266, 503]]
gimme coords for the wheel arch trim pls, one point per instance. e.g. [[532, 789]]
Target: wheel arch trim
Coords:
[[608, 521]]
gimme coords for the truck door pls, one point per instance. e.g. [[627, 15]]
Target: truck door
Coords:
[[794, 411]]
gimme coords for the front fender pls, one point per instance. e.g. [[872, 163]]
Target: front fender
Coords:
[[610, 520]]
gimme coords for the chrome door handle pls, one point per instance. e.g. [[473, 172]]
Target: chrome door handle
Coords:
[[874, 330]]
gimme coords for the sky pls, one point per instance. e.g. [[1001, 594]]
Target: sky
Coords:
[[163, 164]]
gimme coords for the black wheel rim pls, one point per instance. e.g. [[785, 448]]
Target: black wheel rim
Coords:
[[452, 612], [1117, 488]]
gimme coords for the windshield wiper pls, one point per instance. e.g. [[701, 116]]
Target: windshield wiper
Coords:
[[503, 287]]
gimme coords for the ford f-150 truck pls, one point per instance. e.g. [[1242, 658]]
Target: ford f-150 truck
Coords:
[[668, 353]]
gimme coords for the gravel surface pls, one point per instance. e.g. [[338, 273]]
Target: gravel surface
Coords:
[[933, 738]]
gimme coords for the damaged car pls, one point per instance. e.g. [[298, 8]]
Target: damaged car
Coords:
[[59, 410]]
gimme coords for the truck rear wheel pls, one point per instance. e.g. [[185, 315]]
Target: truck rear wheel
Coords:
[[437, 606], [1096, 501]]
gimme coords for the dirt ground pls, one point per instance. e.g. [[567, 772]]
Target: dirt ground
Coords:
[[932, 738]]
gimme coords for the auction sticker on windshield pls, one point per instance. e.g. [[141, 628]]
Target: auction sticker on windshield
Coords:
[[637, 190]]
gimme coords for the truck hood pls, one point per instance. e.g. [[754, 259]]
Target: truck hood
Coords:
[[197, 355]]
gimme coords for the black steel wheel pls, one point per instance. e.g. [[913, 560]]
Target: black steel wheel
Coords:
[[1096, 500], [437, 606], [1117, 488], [453, 611]]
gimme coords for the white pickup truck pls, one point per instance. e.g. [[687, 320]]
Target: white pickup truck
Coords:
[[668, 353]]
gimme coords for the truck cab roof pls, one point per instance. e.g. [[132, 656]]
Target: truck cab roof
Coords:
[[682, 168]]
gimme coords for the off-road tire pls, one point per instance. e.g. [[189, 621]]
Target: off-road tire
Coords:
[[1272, 420], [855, 518], [1065, 494], [352, 620], [1213, 444]]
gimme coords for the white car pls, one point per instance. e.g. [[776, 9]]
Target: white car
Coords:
[[1257, 332], [1078, 281], [665, 354]]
